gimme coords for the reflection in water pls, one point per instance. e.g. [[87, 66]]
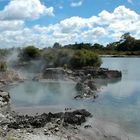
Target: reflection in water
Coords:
[[118, 101], [105, 82]]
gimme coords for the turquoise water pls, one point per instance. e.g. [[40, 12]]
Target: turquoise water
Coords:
[[33, 94], [118, 101]]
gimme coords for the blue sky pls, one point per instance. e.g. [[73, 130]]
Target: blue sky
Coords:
[[63, 8], [43, 22]]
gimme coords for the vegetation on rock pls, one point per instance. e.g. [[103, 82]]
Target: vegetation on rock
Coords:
[[3, 66], [83, 58]]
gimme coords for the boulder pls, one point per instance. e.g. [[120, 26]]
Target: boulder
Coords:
[[54, 73], [85, 89], [4, 98], [114, 74]]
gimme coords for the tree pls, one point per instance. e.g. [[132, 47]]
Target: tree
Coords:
[[29, 53], [127, 43], [124, 37], [97, 46], [56, 45]]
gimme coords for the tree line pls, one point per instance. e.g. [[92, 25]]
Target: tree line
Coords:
[[76, 55]]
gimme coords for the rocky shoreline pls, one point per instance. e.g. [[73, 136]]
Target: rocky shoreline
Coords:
[[67, 125], [60, 125]]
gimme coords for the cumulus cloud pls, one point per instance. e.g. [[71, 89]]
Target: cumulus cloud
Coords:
[[103, 28], [25, 9], [7, 25], [76, 4], [74, 24]]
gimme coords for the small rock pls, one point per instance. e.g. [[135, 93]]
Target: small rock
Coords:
[[58, 121], [47, 133], [87, 126], [56, 129], [45, 130]]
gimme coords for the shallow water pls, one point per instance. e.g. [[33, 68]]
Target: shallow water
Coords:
[[118, 101], [34, 94]]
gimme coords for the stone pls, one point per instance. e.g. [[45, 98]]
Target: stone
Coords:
[[54, 73], [76, 117], [4, 98], [87, 126]]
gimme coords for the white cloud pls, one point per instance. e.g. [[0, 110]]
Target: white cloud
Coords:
[[119, 14], [93, 35], [74, 24], [106, 27], [76, 4], [11, 25], [25, 9]]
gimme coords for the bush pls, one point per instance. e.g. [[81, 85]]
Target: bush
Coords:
[[57, 57], [3, 66], [61, 57], [71, 58], [83, 58], [29, 53]]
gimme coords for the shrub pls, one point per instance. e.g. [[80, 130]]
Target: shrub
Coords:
[[83, 58], [29, 53], [3, 66]]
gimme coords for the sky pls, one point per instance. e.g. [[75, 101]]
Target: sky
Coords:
[[43, 22]]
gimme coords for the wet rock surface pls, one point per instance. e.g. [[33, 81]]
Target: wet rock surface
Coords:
[[9, 76], [86, 88], [54, 73], [98, 73], [75, 74], [4, 98], [76, 117]]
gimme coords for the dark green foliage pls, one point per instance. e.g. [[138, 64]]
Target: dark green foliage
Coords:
[[29, 53], [97, 46], [3, 66], [56, 45], [83, 58], [112, 46], [79, 46], [57, 57], [137, 45], [69, 58], [127, 43], [4, 53]]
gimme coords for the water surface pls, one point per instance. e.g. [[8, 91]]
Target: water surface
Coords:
[[118, 101]]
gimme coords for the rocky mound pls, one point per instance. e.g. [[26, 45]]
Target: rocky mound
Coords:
[[98, 73], [9, 76], [76, 117], [62, 74]]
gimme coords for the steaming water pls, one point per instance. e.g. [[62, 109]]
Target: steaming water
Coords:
[[34, 94], [118, 101]]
